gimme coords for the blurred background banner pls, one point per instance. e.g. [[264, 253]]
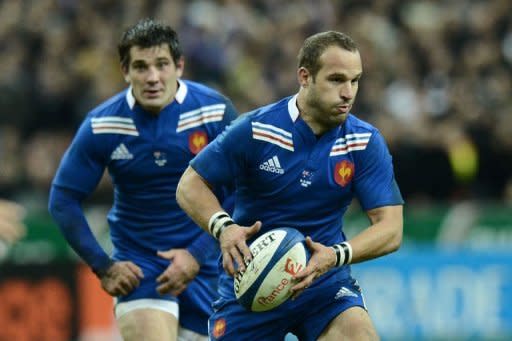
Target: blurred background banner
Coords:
[[39, 302], [54, 301], [436, 294], [437, 83]]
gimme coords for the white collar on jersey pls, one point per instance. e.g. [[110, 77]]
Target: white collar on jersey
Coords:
[[182, 91], [293, 110], [180, 94]]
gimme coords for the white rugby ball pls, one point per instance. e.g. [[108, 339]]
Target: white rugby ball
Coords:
[[277, 256]]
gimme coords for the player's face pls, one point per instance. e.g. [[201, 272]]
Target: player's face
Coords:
[[330, 96], [153, 76]]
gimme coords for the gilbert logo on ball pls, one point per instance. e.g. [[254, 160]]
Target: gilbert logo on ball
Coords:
[[277, 256]]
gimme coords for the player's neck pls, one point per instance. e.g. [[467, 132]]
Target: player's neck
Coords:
[[307, 115]]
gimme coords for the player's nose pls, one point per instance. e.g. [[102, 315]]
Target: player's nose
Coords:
[[347, 91], [152, 75]]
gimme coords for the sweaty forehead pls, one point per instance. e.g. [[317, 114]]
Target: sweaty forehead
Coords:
[[149, 53], [336, 60]]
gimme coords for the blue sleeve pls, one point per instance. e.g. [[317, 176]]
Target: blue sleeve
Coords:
[[375, 183], [65, 208], [224, 158], [204, 248], [79, 172], [84, 162], [226, 193]]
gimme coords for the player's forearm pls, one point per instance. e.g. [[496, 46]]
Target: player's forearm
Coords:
[[66, 210], [196, 198], [382, 237]]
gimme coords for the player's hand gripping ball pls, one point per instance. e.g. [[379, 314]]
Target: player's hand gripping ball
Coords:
[[277, 256]]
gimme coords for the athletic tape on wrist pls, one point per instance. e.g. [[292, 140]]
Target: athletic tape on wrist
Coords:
[[213, 219], [218, 222], [343, 253]]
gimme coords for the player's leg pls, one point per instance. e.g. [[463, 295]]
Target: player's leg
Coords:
[[146, 315], [339, 312], [352, 324], [148, 319], [196, 305]]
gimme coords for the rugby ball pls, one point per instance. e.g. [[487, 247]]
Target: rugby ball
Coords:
[[277, 256]]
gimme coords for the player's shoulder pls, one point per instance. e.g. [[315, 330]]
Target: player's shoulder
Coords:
[[274, 113], [272, 119], [115, 106], [268, 124], [202, 93], [111, 118], [357, 136]]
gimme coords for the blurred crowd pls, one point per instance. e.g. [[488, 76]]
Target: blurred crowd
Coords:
[[437, 78]]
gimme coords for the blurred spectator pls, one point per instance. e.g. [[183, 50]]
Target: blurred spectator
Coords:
[[438, 76], [11, 166], [12, 227]]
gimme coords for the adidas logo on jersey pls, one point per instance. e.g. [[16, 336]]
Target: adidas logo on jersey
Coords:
[[344, 292], [272, 165], [121, 153]]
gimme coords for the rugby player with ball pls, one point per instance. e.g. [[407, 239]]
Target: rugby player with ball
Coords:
[[298, 163]]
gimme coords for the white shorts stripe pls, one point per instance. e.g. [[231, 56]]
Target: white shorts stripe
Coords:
[[168, 306]]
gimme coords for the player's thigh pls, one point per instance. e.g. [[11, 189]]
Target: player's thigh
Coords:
[[149, 320], [352, 324]]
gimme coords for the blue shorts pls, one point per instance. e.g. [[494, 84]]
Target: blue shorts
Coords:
[[195, 303], [306, 317]]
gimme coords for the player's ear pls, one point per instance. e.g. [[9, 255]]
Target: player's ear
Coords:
[[126, 74], [180, 66], [303, 76]]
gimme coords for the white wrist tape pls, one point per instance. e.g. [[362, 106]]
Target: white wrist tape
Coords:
[[343, 253], [218, 222]]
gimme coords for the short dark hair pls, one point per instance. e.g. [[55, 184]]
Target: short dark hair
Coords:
[[316, 44], [148, 33]]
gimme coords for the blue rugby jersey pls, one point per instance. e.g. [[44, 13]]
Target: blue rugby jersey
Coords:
[[286, 176], [145, 155]]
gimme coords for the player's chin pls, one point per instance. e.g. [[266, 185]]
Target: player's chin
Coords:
[[338, 118], [153, 100]]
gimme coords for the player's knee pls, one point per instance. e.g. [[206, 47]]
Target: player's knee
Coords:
[[366, 333], [358, 333], [360, 329], [148, 325], [353, 324]]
